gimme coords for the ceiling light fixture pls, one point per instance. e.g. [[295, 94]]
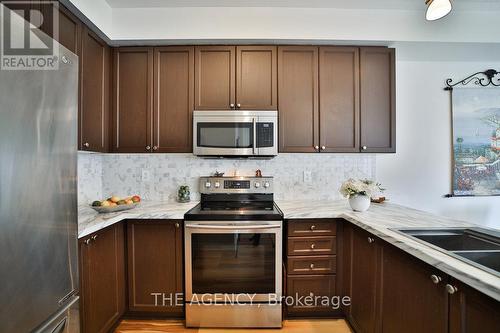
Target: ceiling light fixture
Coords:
[[437, 9]]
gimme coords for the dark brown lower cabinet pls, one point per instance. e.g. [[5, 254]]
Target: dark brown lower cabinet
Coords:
[[155, 266], [363, 278], [309, 292], [472, 311], [411, 301], [102, 279], [392, 292], [311, 280]]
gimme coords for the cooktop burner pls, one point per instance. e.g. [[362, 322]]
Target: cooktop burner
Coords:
[[235, 198]]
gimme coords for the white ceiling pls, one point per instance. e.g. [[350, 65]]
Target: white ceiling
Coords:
[[347, 4]]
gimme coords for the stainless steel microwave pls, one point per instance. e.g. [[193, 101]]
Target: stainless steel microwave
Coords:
[[235, 133]]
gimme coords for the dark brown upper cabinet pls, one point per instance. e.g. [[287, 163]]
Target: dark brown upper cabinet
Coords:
[[132, 99], [378, 100], [236, 78], [215, 77], [173, 99], [70, 29], [256, 78], [339, 99], [155, 265], [298, 99], [102, 279], [95, 63]]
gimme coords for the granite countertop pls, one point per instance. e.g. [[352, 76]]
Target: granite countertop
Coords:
[[379, 220], [90, 221]]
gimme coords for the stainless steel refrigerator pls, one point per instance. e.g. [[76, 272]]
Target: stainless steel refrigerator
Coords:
[[38, 199]]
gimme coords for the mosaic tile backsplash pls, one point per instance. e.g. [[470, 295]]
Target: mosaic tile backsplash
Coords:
[[158, 176]]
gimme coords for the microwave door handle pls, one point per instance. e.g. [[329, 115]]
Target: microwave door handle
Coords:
[[254, 135]]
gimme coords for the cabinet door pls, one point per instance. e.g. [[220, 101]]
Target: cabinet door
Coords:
[[308, 290], [69, 30], [256, 78], [378, 100], [472, 311], [132, 100], [339, 99], [173, 99], [298, 99], [94, 83], [103, 279], [364, 281], [155, 266], [215, 77], [411, 302]]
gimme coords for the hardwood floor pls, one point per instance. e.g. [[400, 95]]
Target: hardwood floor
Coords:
[[289, 326]]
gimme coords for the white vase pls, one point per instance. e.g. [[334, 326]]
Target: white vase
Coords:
[[359, 203]]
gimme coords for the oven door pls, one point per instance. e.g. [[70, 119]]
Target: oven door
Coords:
[[219, 134], [233, 259]]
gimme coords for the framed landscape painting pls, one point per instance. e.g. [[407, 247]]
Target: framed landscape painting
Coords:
[[476, 141]]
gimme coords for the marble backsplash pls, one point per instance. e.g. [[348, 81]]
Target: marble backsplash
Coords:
[[158, 176]]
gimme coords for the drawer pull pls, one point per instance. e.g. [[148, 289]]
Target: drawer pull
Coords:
[[313, 246], [313, 227], [311, 266], [451, 289], [371, 240]]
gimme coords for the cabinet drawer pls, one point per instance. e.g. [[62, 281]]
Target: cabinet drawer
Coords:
[[308, 292], [312, 227], [300, 246], [312, 265]]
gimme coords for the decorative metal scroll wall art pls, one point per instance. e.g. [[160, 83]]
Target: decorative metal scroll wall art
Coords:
[[476, 134]]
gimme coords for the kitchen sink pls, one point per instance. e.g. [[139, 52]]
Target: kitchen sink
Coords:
[[476, 246]]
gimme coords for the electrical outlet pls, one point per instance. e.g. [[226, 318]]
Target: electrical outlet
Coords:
[[307, 176], [146, 175]]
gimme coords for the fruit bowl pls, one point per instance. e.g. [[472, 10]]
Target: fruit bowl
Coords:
[[114, 209], [115, 204]]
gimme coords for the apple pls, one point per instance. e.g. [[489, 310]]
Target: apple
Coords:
[[136, 198]]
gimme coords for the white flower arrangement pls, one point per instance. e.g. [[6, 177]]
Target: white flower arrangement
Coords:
[[352, 187]]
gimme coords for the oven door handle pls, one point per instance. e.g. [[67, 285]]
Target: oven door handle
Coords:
[[231, 227]]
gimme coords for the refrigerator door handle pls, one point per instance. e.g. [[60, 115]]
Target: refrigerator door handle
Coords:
[[61, 326]]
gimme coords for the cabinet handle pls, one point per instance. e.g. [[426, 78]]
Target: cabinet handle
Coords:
[[94, 237], [177, 225], [371, 240], [323, 147], [316, 147], [313, 227], [313, 246], [86, 144], [87, 241], [435, 279], [364, 147], [238, 105], [311, 266], [451, 289], [148, 147], [155, 147], [231, 106]]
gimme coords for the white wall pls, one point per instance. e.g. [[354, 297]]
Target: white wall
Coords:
[[419, 174], [301, 23]]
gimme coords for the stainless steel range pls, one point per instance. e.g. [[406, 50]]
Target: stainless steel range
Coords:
[[233, 253]]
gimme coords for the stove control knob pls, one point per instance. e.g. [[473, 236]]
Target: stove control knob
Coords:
[[266, 184], [257, 184], [217, 184], [208, 185]]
